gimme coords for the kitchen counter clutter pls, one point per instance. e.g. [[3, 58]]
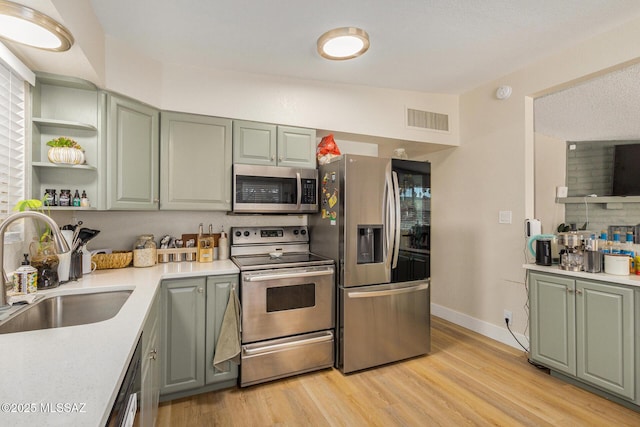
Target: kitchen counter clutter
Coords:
[[71, 375], [584, 329]]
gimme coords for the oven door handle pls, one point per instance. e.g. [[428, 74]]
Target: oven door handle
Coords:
[[326, 336], [371, 294], [276, 276]]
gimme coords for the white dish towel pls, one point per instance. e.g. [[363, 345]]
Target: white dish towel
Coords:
[[228, 345]]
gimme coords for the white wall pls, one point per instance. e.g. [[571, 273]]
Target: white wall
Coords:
[[550, 172], [340, 108]]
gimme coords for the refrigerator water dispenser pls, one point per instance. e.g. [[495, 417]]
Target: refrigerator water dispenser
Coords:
[[369, 244]]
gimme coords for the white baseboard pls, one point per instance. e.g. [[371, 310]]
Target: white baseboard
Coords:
[[487, 329]]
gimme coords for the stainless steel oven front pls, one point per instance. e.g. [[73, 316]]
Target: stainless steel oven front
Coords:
[[288, 301], [287, 322]]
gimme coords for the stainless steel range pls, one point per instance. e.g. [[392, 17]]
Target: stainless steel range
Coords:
[[288, 303]]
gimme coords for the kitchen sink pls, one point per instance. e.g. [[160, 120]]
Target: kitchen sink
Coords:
[[66, 310]]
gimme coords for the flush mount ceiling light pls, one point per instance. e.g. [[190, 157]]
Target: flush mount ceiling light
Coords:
[[343, 43], [27, 26]]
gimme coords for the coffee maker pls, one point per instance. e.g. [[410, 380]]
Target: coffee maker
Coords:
[[572, 256]]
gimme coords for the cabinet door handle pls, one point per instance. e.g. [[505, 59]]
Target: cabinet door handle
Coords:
[[569, 290], [578, 292], [273, 158], [156, 200], [200, 290]]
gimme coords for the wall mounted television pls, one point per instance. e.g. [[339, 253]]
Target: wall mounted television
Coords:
[[626, 170]]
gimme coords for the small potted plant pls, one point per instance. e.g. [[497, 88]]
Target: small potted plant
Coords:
[[66, 151]]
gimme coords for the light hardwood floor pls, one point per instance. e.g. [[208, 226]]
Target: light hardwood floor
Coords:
[[467, 379]]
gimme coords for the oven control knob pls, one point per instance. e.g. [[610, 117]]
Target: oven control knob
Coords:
[[238, 233], [303, 232], [246, 234], [295, 232]]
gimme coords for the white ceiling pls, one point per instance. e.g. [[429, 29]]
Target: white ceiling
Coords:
[[602, 109], [440, 46]]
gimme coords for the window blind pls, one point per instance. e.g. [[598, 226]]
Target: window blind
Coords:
[[12, 141]]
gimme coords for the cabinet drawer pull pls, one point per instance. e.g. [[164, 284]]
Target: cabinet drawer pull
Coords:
[[569, 290], [578, 292], [200, 290]]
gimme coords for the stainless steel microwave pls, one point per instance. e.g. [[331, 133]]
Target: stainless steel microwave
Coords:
[[274, 189]]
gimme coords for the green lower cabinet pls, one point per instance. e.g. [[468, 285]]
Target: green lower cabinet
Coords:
[[585, 329], [218, 289], [192, 312], [150, 378], [606, 336]]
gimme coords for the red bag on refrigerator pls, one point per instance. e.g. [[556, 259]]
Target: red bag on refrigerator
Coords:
[[327, 149]]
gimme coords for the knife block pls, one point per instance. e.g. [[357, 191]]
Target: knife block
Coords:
[[205, 248]]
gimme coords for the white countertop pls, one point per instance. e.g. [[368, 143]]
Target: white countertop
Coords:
[[630, 280], [78, 369]]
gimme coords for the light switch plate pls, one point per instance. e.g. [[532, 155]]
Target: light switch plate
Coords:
[[504, 217]]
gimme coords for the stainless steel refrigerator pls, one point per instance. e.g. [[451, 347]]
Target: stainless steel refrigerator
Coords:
[[374, 221]]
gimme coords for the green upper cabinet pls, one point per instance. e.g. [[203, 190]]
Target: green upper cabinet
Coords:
[[132, 154], [270, 145], [254, 143], [195, 153], [296, 147]]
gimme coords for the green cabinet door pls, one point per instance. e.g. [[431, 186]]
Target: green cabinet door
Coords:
[[218, 290], [195, 169], [150, 378], [296, 147], [183, 328], [606, 336], [254, 143], [132, 154], [553, 341], [265, 144]]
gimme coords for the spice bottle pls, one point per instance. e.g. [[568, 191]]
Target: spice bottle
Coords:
[[145, 253], [65, 198], [84, 201], [76, 199]]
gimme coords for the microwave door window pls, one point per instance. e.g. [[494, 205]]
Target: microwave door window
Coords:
[[266, 190]]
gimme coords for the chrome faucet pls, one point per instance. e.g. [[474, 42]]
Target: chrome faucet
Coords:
[[58, 240]]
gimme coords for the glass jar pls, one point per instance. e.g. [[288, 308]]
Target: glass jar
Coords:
[[50, 197], [45, 259], [144, 251], [65, 198]]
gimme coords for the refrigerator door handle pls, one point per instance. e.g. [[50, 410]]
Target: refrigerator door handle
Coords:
[[389, 217], [372, 294], [396, 230], [299, 189]]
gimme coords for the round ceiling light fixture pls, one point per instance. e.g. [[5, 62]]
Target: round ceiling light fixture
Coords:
[[27, 26], [343, 43]]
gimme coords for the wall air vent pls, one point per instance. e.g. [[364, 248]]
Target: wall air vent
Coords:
[[427, 120]]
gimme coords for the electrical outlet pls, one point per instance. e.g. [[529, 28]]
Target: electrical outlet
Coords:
[[508, 316]]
